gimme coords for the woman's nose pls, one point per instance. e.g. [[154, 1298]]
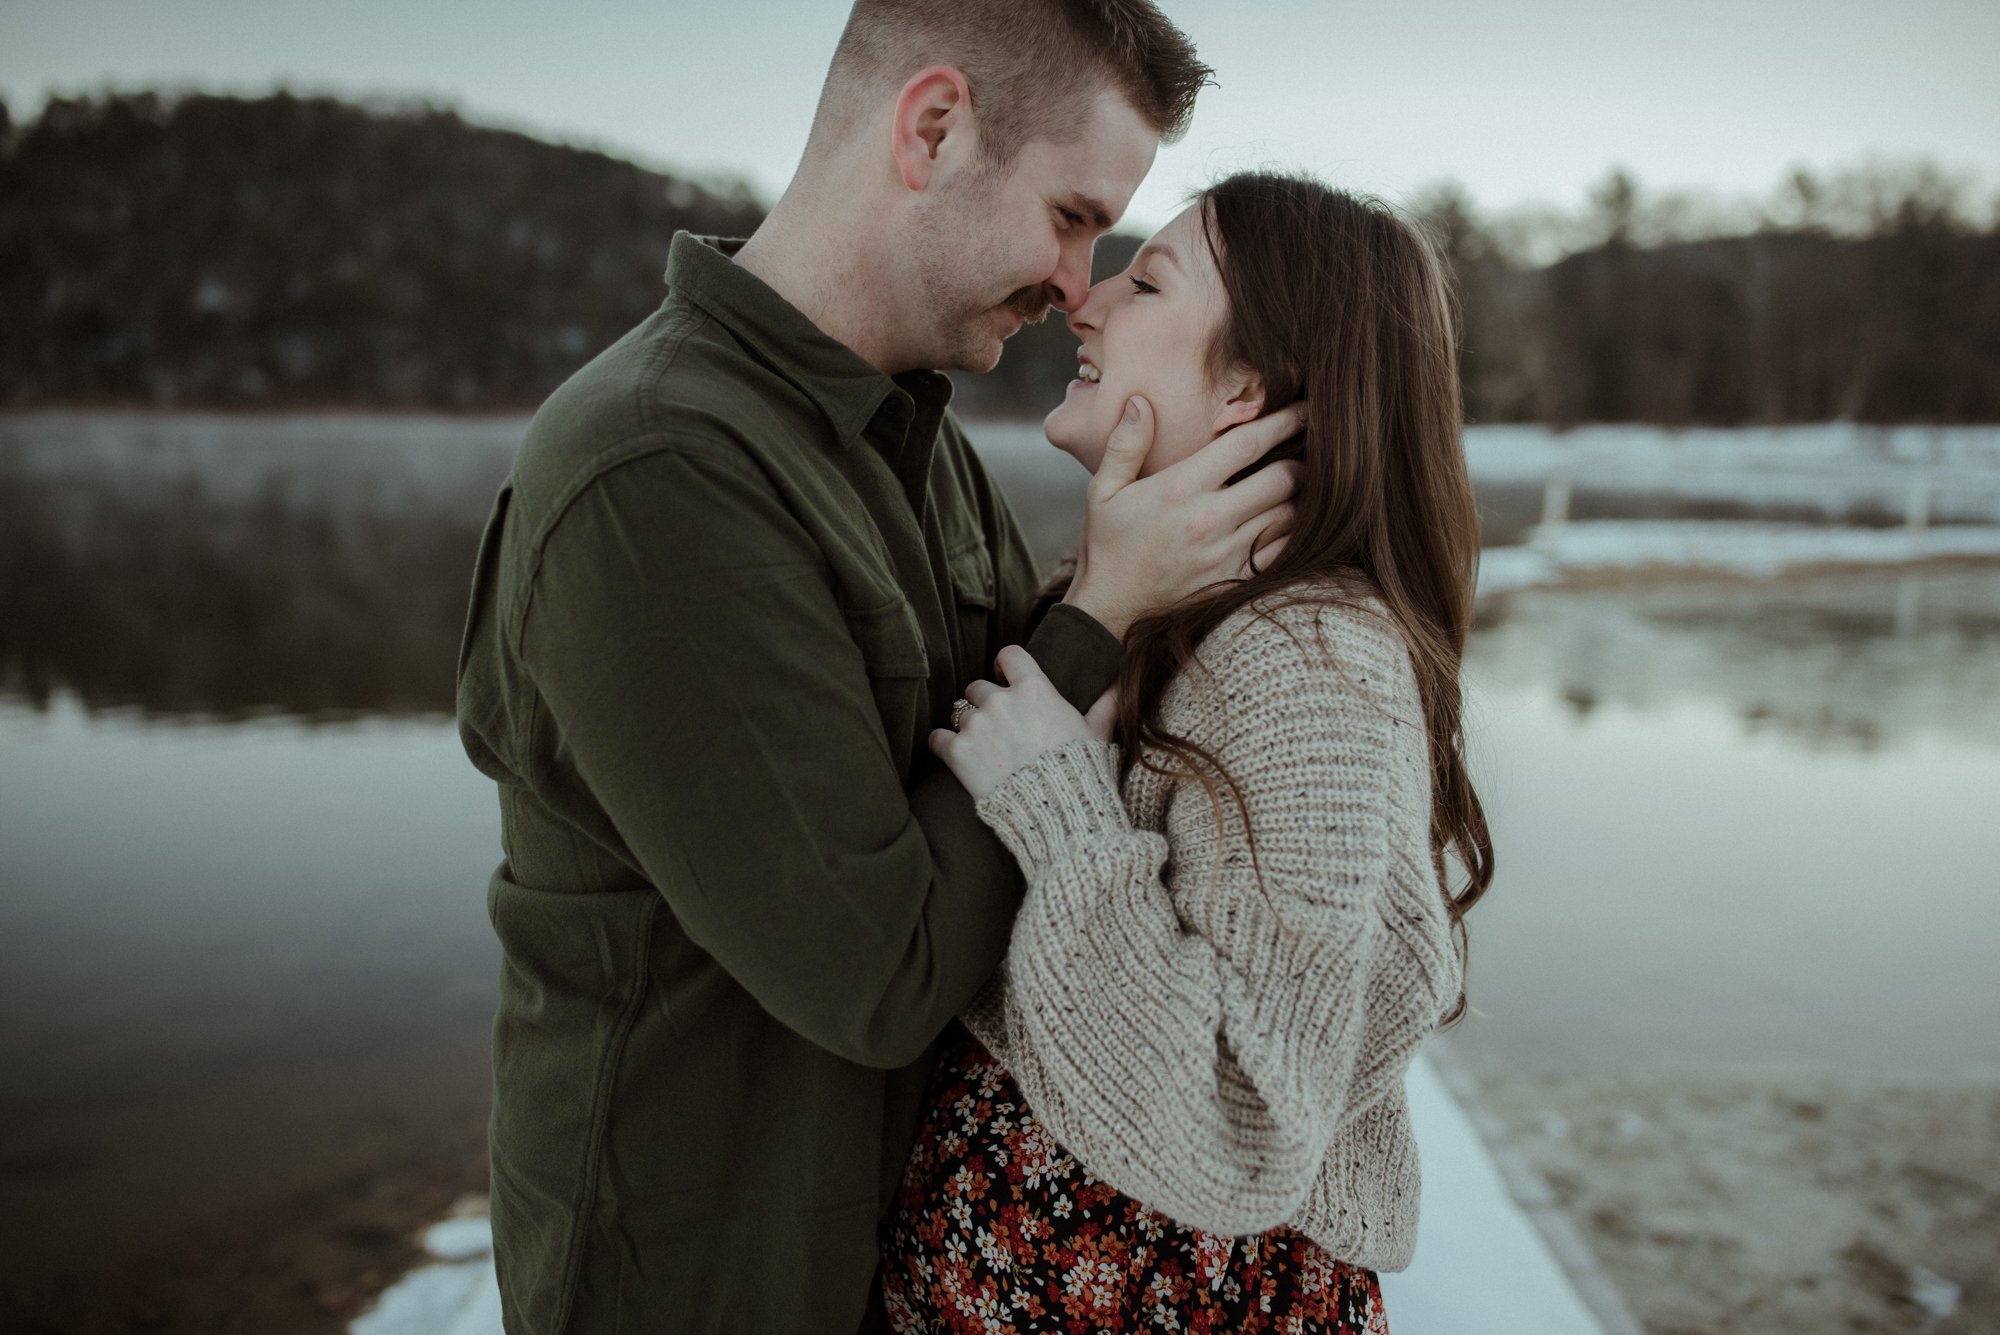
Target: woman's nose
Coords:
[[1085, 317]]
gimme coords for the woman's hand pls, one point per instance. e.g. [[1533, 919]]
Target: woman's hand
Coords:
[[1008, 726]]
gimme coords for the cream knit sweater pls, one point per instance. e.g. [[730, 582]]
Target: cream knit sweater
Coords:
[[1233, 1061]]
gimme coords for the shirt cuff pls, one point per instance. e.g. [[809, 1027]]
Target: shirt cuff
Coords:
[[1065, 796], [1076, 653]]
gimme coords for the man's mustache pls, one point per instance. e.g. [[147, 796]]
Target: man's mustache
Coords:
[[1030, 303]]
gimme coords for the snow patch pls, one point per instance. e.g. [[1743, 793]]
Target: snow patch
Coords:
[[1933, 1292], [456, 1295], [1758, 550], [460, 1239]]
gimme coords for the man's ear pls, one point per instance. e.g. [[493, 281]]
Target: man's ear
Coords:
[[933, 127], [1243, 401]]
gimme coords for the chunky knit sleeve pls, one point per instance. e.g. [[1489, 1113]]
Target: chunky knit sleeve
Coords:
[[1195, 1040]]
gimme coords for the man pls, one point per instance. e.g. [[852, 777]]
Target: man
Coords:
[[742, 566]]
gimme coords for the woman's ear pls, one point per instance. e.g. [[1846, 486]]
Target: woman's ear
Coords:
[[1243, 401]]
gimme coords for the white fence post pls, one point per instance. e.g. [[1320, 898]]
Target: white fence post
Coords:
[[1555, 502], [1917, 505]]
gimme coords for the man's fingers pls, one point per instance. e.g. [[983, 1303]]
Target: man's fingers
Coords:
[[1264, 492], [1266, 525], [1017, 665], [1239, 447], [1125, 453], [1262, 557]]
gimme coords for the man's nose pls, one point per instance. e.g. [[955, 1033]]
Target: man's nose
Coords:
[[1070, 284]]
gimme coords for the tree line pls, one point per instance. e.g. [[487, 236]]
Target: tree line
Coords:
[[285, 252], [1871, 296], [289, 251]]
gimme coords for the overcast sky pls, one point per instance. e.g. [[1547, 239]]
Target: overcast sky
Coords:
[[1524, 101]]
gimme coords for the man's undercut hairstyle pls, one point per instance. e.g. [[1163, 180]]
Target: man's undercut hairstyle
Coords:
[[1034, 67]]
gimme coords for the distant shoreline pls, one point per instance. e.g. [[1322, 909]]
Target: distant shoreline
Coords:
[[386, 412], [528, 409]]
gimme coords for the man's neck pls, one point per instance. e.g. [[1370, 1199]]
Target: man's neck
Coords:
[[835, 283]]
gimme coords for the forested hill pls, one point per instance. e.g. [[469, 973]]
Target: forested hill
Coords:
[[285, 250], [293, 252], [1774, 326]]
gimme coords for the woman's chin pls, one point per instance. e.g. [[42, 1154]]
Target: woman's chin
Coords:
[[1060, 431]]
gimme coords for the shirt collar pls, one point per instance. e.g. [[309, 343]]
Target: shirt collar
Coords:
[[848, 389]]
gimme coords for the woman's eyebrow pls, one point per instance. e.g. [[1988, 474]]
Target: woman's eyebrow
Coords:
[[1160, 248]]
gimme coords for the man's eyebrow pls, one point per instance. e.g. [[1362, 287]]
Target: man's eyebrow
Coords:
[[1160, 248], [1093, 209]]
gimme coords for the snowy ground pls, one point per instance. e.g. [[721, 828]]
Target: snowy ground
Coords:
[[1493, 1255], [1836, 468], [1826, 475], [1558, 553]]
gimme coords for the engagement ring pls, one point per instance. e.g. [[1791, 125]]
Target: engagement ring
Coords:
[[959, 709]]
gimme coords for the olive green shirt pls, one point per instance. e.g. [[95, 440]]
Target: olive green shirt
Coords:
[[734, 579]]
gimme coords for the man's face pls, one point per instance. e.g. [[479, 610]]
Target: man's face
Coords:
[[995, 249]]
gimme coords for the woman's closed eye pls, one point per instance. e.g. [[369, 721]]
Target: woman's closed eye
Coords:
[[1142, 285]]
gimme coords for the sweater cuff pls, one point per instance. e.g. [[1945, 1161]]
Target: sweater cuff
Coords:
[[1065, 796]]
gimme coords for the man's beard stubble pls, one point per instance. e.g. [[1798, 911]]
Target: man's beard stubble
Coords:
[[944, 270]]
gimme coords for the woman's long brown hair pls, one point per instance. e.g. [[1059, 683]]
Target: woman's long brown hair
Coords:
[[1334, 298]]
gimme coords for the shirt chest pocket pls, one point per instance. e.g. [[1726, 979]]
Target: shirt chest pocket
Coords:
[[974, 597], [890, 640], [892, 654], [972, 576]]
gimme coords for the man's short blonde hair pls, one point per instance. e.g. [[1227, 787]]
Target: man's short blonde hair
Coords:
[[1034, 67]]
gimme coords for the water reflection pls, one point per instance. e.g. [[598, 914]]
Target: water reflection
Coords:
[[231, 567], [1742, 828], [248, 986], [1674, 892], [1848, 663]]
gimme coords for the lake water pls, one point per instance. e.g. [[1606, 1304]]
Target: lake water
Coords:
[[1739, 827]]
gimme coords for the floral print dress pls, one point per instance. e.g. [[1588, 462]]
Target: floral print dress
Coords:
[[996, 1230]]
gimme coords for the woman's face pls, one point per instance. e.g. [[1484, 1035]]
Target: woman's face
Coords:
[[1146, 332]]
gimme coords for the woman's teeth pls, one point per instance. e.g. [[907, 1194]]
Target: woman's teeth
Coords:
[[1088, 374]]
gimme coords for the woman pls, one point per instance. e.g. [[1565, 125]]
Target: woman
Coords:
[[1179, 1104]]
